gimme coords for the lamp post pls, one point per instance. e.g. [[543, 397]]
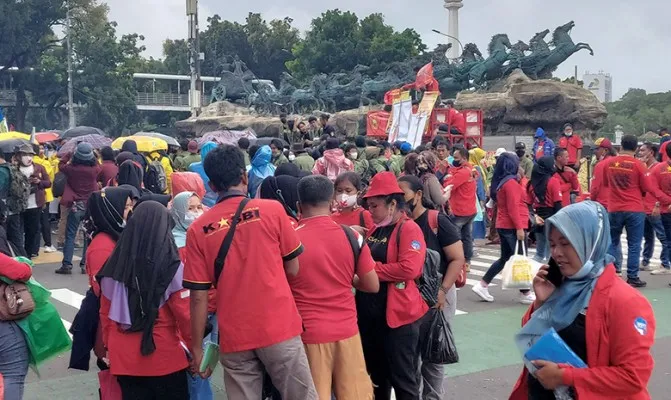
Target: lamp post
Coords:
[[71, 103], [452, 50], [194, 57]]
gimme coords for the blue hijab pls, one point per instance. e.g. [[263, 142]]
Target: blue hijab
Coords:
[[585, 225], [210, 198], [505, 169], [261, 169], [180, 205]]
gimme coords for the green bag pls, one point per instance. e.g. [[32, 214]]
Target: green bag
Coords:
[[43, 328]]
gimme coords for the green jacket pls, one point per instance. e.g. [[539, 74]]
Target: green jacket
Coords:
[[381, 164], [305, 162], [282, 159], [187, 160], [527, 165]]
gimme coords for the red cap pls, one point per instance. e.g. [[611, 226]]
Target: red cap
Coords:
[[383, 184], [604, 143], [193, 147]]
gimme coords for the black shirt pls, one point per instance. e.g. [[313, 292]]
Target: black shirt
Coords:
[[448, 234], [372, 307], [574, 336]]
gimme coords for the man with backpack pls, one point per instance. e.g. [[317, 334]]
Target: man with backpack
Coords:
[[14, 192], [157, 177]]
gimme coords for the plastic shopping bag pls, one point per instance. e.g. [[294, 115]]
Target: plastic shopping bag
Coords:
[[109, 386], [518, 272], [439, 346]]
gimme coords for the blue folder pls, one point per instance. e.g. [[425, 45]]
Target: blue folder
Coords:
[[551, 347]]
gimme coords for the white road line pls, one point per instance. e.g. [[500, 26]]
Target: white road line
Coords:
[[67, 326], [67, 296]]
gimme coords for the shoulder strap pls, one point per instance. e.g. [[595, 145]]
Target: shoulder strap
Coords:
[[433, 220], [226, 244], [398, 237], [353, 242], [362, 221]]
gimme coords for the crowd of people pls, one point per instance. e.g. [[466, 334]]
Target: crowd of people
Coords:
[[303, 258]]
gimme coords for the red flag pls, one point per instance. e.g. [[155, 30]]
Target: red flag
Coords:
[[376, 125], [425, 79]]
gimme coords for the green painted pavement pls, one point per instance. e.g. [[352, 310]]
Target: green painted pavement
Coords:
[[485, 338]]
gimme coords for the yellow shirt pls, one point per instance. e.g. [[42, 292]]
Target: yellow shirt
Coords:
[[48, 194]]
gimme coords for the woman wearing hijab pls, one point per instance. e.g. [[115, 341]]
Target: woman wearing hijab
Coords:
[[283, 188], [476, 157], [288, 169], [511, 221], [607, 323], [422, 166], [186, 208], [545, 197], [144, 309], [131, 147], [262, 168], [210, 198], [106, 215], [130, 173]]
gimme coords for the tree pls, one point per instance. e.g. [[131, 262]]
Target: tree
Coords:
[[638, 112]]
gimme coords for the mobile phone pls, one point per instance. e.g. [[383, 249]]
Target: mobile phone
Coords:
[[554, 273]]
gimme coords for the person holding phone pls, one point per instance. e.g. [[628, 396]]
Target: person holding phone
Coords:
[[606, 322]]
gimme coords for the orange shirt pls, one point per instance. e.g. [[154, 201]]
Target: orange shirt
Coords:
[[255, 307], [323, 288], [572, 144], [354, 218]]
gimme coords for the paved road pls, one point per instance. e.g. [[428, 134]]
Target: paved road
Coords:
[[489, 362]]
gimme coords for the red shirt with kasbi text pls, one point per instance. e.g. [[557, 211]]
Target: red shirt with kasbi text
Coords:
[[599, 190], [353, 218], [513, 212], [323, 288], [255, 307], [626, 179], [572, 144], [553, 194]]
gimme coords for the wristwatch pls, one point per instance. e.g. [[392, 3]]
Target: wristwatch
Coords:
[[444, 289]]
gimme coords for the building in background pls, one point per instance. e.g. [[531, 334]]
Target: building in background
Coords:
[[601, 84]]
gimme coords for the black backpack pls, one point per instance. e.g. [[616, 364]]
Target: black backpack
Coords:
[[429, 282], [155, 179]]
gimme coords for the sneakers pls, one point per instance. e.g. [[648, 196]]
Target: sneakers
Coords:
[[467, 267], [636, 282], [661, 271], [528, 298], [83, 269], [483, 293], [50, 249], [645, 266], [64, 270]]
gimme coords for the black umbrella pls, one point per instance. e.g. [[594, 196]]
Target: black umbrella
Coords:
[[81, 131], [9, 146]]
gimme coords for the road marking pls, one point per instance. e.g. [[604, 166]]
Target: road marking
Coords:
[[67, 296], [67, 326]]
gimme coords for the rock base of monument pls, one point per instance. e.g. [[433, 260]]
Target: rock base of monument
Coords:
[[520, 105]]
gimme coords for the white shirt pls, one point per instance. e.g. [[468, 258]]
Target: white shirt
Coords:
[[28, 171]]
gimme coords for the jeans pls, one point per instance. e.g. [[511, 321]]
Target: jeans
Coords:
[[13, 359], [465, 226], [508, 242], [634, 223], [654, 226], [199, 388], [31, 228], [46, 225], [74, 220], [542, 252]]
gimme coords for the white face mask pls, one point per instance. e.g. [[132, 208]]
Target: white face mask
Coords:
[[26, 160], [568, 134], [191, 216], [345, 200], [353, 155], [292, 157]]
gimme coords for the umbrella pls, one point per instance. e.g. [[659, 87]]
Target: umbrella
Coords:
[[45, 137], [82, 131], [227, 137], [144, 144], [96, 141], [171, 141], [14, 135], [8, 145]]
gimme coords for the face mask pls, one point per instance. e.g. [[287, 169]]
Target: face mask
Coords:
[[568, 134], [292, 157], [412, 205], [456, 163], [191, 216], [387, 221], [345, 200], [520, 153], [353, 155], [26, 160]]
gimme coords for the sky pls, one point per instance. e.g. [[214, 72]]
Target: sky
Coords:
[[631, 40]]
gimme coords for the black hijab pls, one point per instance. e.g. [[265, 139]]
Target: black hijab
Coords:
[[283, 188], [145, 261], [130, 174], [104, 211], [540, 176], [288, 169]]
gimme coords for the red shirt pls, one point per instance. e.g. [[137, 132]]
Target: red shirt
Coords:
[[97, 253], [662, 151], [659, 178], [513, 212], [354, 218], [456, 119], [323, 288], [14, 270], [81, 181], [568, 180], [172, 325], [211, 293], [255, 307], [405, 304], [463, 197], [627, 182], [599, 189], [108, 173], [572, 144], [552, 194], [619, 331]]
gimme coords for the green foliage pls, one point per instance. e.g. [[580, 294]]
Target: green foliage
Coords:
[[638, 112]]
